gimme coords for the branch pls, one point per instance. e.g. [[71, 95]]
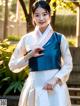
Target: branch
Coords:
[[77, 4], [24, 8]]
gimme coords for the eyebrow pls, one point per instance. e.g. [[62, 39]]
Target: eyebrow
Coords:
[[42, 12]]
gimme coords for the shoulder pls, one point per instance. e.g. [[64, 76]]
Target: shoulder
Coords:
[[60, 36], [27, 36], [63, 41]]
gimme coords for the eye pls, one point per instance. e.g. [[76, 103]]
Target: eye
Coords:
[[36, 15], [44, 14]]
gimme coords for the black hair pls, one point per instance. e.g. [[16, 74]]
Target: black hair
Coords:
[[43, 4]]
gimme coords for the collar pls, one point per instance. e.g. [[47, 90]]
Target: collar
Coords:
[[42, 38]]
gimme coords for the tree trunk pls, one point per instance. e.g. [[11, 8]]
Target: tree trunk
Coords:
[[27, 16], [25, 11], [29, 20], [78, 27], [54, 16], [5, 20], [48, 1]]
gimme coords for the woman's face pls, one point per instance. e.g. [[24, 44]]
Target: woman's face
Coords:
[[42, 18]]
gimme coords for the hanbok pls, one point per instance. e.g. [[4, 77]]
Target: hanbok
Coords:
[[33, 93]]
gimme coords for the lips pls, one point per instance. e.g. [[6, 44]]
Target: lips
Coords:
[[41, 22]]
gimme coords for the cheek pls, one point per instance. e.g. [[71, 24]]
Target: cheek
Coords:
[[48, 18], [35, 20]]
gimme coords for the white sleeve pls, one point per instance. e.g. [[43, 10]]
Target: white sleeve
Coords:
[[67, 66], [18, 61]]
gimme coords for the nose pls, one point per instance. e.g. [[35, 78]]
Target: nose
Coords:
[[41, 17]]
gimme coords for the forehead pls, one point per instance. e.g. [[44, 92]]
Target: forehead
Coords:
[[40, 10]]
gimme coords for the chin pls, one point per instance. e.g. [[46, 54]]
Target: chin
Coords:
[[43, 26]]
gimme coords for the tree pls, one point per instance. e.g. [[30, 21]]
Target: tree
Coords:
[[24, 10], [77, 4], [54, 4], [6, 19], [78, 26], [78, 23], [27, 15]]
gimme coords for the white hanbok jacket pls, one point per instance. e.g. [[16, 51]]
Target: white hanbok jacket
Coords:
[[33, 93]]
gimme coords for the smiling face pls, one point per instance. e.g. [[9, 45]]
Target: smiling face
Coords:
[[42, 18]]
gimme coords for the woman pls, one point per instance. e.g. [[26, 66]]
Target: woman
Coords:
[[42, 50]]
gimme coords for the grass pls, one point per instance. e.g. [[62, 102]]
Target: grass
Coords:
[[71, 40], [13, 38]]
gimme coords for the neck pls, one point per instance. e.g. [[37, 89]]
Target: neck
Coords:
[[43, 29]]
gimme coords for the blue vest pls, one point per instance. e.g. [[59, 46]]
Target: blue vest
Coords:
[[52, 55]]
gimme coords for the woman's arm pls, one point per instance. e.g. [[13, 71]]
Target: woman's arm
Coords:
[[67, 66], [22, 53], [18, 59], [63, 74]]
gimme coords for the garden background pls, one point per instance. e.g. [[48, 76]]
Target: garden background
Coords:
[[16, 20]]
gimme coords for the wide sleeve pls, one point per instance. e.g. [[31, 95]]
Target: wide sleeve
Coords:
[[67, 66], [18, 59]]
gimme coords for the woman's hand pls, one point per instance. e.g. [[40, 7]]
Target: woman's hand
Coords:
[[48, 87], [37, 52], [51, 84]]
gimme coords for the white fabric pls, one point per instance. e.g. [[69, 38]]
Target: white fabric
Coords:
[[28, 42], [63, 74], [32, 91], [42, 38], [41, 96], [33, 94]]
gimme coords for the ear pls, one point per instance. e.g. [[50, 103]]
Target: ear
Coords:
[[33, 21]]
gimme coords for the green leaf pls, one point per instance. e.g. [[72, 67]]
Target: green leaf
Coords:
[[16, 86], [20, 87], [9, 89]]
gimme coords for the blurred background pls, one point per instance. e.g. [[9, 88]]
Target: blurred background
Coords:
[[16, 21]]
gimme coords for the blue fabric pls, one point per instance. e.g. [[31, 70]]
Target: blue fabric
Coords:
[[52, 55]]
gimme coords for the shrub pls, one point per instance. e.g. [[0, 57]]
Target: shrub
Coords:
[[10, 83], [72, 41], [13, 38]]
